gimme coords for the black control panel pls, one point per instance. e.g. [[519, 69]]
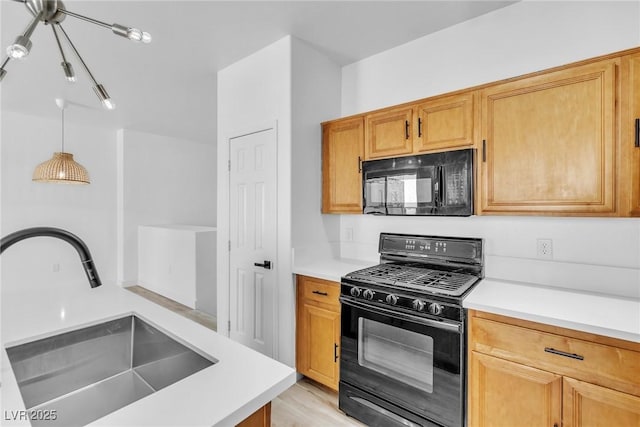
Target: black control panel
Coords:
[[407, 301], [468, 250]]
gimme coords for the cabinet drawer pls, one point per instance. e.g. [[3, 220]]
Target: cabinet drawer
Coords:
[[319, 290], [600, 364]]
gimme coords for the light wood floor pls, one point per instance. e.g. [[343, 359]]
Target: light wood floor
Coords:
[[305, 404]]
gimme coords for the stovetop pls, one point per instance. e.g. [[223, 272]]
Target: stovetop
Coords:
[[416, 277], [422, 266]]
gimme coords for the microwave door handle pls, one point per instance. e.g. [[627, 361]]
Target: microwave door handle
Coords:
[[437, 188], [443, 187]]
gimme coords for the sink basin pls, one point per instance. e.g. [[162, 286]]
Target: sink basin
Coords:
[[87, 373]]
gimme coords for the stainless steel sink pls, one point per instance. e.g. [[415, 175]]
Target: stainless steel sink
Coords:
[[88, 373]]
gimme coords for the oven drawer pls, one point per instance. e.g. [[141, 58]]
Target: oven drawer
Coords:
[[319, 290], [601, 364]]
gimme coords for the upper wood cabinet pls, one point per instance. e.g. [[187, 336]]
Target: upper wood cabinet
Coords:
[[630, 138], [549, 143], [388, 133], [444, 122], [342, 155]]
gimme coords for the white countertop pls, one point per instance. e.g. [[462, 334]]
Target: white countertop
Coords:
[[612, 316], [329, 268], [608, 315], [223, 394]]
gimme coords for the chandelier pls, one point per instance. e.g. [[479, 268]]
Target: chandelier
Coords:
[[53, 12]]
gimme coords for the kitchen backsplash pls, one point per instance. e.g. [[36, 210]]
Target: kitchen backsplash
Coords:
[[589, 254]]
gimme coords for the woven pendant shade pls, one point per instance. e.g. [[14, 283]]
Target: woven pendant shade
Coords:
[[61, 168]]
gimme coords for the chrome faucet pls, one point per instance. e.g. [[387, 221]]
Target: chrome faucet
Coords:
[[75, 241]]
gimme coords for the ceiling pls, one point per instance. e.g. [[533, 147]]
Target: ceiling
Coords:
[[169, 86]]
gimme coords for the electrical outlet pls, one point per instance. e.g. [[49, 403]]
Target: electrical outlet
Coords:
[[348, 234], [545, 248]]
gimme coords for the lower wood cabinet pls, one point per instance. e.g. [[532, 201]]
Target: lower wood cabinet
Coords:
[[260, 418], [318, 330], [525, 373], [510, 394]]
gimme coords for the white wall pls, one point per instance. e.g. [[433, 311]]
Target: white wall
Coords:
[[524, 37], [293, 84], [85, 210], [316, 98], [254, 92], [595, 254], [161, 180]]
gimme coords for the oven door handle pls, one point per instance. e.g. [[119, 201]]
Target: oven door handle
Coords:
[[439, 324]]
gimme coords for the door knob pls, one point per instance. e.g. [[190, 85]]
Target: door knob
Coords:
[[266, 264]]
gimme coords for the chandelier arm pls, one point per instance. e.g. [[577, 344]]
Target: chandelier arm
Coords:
[[55, 33], [84, 18], [73, 47], [5, 62], [32, 25]]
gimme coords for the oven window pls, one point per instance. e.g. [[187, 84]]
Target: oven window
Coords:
[[398, 353]]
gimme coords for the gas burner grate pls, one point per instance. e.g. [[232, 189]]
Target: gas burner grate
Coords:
[[417, 278]]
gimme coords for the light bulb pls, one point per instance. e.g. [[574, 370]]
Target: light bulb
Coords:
[[68, 71], [16, 51], [134, 34], [20, 48], [108, 104], [146, 37], [104, 97]]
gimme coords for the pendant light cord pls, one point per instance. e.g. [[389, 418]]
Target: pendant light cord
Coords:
[[63, 130]]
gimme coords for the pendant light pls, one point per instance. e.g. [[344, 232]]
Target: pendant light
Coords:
[[61, 168], [53, 12]]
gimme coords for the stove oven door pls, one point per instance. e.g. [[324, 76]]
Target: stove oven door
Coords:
[[398, 369]]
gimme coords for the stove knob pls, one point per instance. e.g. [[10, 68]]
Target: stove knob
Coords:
[[435, 308], [355, 291], [391, 299], [368, 294], [418, 304]]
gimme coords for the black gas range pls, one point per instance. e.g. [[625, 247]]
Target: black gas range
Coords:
[[403, 331]]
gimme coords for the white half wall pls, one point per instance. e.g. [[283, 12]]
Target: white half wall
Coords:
[[85, 210], [592, 254], [161, 180]]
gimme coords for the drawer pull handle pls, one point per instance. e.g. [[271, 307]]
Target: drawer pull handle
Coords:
[[563, 353], [324, 294]]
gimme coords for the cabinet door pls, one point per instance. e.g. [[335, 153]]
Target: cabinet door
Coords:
[[631, 131], [503, 393], [586, 405], [318, 341], [550, 143], [342, 153], [444, 123], [388, 133]]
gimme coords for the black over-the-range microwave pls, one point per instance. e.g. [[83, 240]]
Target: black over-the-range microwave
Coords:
[[426, 184]]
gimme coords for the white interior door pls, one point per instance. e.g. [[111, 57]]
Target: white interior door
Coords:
[[252, 222]]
